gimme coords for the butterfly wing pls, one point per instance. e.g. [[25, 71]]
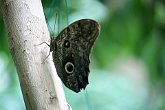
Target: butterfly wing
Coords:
[[71, 50]]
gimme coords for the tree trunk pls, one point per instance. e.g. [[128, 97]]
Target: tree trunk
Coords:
[[26, 27]]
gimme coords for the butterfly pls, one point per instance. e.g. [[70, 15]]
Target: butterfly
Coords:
[[71, 50]]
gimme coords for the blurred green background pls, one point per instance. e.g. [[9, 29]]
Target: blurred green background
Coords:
[[127, 62]]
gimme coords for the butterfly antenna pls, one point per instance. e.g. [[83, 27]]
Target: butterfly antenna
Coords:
[[67, 10], [52, 4], [49, 27], [55, 22], [58, 11]]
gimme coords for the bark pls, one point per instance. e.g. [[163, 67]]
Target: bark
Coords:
[[26, 27]]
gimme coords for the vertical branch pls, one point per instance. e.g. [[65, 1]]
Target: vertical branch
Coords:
[[26, 27]]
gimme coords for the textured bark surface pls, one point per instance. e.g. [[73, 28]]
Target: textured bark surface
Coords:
[[26, 27]]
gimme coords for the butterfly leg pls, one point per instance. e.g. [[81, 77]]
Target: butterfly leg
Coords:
[[49, 51], [45, 58], [43, 43]]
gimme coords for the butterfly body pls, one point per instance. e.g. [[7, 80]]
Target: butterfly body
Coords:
[[71, 50]]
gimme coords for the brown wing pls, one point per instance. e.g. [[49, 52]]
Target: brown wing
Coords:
[[71, 50]]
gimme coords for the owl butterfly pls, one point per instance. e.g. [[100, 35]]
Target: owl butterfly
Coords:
[[71, 50]]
